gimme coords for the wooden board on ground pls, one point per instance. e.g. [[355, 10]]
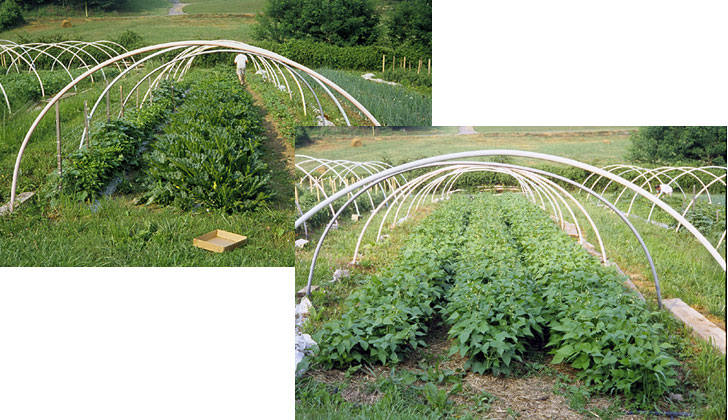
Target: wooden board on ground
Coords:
[[700, 325], [21, 198]]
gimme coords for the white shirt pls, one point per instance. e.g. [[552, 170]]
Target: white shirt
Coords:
[[665, 189], [241, 60]]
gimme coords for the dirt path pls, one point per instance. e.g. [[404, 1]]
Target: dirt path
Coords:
[[279, 155], [176, 8]]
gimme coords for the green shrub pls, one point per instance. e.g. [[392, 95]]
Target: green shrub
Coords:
[[318, 54], [130, 40], [706, 145], [301, 137], [411, 22], [338, 22], [10, 15]]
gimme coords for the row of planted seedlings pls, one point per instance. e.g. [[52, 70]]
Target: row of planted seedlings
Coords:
[[197, 143], [507, 282]]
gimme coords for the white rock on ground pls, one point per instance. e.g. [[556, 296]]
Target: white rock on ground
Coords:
[[304, 342], [371, 78], [339, 273]]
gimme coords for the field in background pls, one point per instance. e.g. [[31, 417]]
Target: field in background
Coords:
[[154, 29], [601, 146], [223, 6]]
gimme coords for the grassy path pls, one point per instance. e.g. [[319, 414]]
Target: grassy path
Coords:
[[278, 157]]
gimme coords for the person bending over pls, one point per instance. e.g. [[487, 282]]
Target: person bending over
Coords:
[[240, 61]]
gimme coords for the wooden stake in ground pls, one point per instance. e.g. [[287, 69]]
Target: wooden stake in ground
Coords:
[[108, 107], [404, 63], [394, 60], [85, 124], [58, 142], [429, 61], [383, 61], [419, 66], [121, 99]]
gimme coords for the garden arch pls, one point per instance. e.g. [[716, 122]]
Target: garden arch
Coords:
[[408, 167], [159, 49]]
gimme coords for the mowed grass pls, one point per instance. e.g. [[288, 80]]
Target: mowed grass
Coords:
[[595, 147], [116, 232], [223, 6], [154, 29]]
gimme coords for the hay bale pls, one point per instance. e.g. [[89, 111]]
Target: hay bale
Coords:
[[66, 23], [356, 143]]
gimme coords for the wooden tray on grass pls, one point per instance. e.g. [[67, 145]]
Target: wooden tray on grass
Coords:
[[219, 241]]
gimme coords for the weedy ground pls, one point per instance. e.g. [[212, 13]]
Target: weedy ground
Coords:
[[429, 384]]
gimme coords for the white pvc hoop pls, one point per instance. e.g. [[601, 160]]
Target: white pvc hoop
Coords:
[[239, 46]]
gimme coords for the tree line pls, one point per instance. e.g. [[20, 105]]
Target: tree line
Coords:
[[348, 23]]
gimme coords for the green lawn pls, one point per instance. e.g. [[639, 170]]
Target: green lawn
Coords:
[[223, 6], [595, 147]]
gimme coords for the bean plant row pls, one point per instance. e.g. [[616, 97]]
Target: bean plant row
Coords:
[[507, 282]]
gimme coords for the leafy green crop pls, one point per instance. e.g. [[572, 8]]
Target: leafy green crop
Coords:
[[507, 281], [115, 146], [209, 154], [388, 315]]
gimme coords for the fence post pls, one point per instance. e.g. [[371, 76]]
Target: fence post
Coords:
[[404, 63], [383, 61], [419, 66], [429, 61], [394, 60], [58, 142]]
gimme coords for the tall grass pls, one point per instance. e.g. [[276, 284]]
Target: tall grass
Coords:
[[391, 105]]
